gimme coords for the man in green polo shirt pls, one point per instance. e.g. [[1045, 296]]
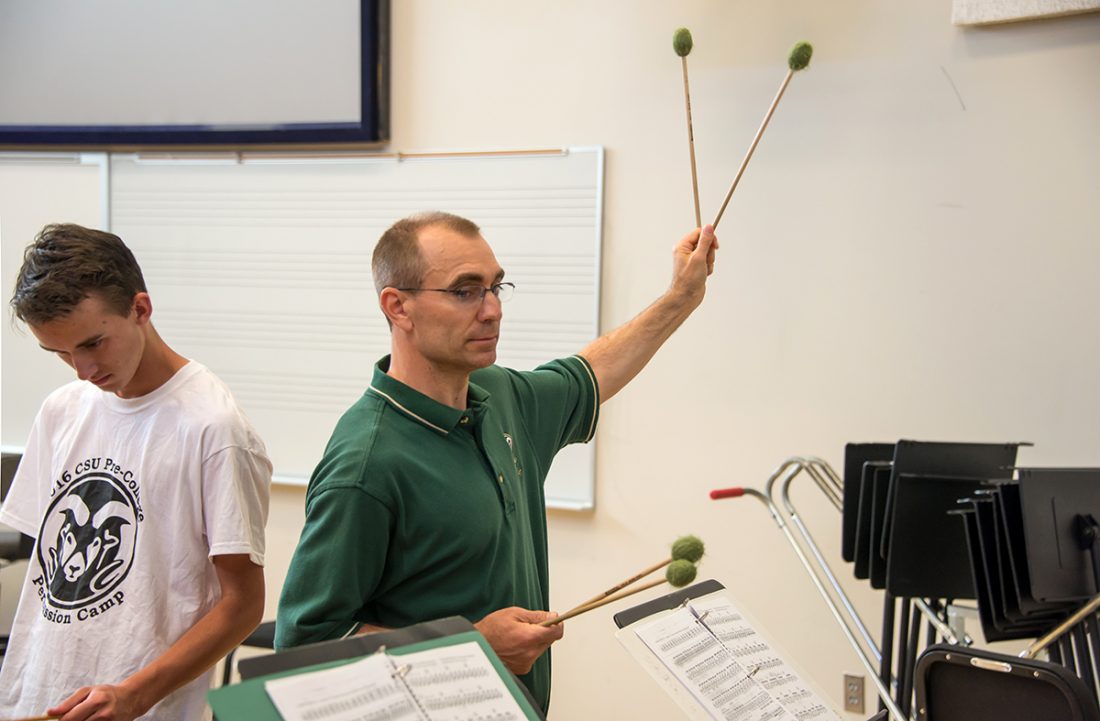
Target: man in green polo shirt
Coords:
[[429, 500]]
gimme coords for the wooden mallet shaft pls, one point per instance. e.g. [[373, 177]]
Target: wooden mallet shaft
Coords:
[[680, 572], [681, 45], [685, 548], [623, 584], [799, 59], [691, 145], [603, 602], [752, 147]]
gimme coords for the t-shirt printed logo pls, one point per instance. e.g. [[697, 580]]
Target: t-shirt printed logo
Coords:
[[86, 542]]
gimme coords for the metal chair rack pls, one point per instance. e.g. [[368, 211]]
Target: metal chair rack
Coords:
[[894, 691]]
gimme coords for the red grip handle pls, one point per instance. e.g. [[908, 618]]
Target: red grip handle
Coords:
[[719, 493]]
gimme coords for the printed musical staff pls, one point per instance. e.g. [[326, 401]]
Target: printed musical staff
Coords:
[[729, 668], [453, 683]]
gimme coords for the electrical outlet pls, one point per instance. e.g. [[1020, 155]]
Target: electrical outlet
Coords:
[[853, 693]]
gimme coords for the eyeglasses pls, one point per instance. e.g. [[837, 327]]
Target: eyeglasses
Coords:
[[472, 293]]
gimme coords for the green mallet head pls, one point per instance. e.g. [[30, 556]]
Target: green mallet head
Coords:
[[688, 548], [680, 573], [681, 41], [800, 56]]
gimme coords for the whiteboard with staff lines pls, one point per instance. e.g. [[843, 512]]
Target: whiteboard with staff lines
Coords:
[[260, 269]]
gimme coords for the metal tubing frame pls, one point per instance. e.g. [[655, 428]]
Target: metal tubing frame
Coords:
[[798, 465], [792, 513], [835, 498], [889, 616], [831, 485], [904, 652]]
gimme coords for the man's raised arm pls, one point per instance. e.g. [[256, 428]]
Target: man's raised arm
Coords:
[[616, 357]]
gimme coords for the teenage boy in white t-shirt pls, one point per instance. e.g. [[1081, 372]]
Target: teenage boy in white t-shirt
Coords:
[[146, 489]]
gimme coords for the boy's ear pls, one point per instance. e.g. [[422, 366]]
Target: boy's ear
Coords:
[[142, 307]]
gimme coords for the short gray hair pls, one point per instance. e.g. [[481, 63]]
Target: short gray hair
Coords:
[[397, 260]]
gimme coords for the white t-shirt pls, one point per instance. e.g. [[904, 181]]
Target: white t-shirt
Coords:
[[128, 499]]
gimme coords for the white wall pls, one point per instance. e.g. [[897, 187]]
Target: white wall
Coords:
[[911, 254]]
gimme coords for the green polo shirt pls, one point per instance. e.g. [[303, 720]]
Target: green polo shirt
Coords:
[[419, 511]]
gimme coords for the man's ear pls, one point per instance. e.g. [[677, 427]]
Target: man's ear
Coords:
[[142, 307], [392, 302]]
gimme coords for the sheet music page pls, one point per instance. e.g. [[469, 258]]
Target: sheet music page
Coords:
[[459, 683], [728, 667], [364, 690], [763, 664]]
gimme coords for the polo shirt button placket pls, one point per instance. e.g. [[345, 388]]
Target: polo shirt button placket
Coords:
[[509, 507]]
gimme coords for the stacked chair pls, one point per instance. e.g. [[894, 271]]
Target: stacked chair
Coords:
[[930, 524]]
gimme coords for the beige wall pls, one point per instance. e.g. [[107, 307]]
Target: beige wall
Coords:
[[912, 253]]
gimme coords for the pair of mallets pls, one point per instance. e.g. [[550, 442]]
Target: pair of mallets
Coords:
[[682, 44], [686, 552]]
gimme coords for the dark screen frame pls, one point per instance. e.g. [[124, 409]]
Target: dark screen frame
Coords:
[[371, 131]]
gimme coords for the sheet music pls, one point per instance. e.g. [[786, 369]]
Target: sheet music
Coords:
[[364, 690], [459, 683], [447, 683], [765, 666], [728, 667]]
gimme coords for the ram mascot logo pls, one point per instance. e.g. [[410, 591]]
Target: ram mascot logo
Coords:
[[88, 536]]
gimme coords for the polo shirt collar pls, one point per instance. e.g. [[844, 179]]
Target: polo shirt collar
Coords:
[[415, 405]]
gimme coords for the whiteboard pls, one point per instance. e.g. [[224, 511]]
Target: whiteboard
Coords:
[[34, 191], [260, 269]]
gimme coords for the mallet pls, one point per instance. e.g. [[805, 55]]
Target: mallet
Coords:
[[689, 548], [798, 60], [682, 44], [679, 573]]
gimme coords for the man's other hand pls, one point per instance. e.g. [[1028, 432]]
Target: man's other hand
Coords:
[[517, 638]]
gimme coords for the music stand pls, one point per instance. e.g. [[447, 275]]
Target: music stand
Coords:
[[1010, 513], [1050, 500], [855, 455], [927, 547], [875, 474], [939, 458], [979, 526], [880, 495]]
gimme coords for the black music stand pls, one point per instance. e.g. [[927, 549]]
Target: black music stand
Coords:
[[1051, 501], [879, 512], [1010, 514], [876, 475], [980, 525], [855, 456], [958, 460], [927, 547], [348, 648]]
